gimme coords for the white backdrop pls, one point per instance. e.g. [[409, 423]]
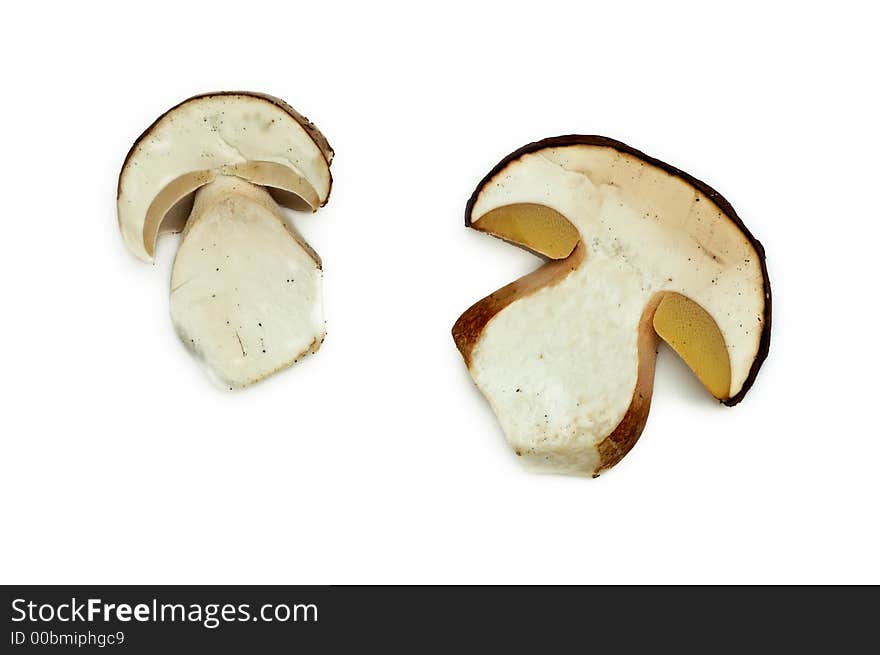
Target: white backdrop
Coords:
[[377, 460]]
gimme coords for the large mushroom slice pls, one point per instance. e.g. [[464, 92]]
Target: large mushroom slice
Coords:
[[245, 288], [638, 249]]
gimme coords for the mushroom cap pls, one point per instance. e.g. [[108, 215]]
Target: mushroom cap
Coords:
[[253, 136]]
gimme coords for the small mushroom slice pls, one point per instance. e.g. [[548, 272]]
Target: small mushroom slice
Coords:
[[253, 136], [638, 249], [245, 291]]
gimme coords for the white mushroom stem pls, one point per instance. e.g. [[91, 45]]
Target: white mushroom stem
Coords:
[[245, 290]]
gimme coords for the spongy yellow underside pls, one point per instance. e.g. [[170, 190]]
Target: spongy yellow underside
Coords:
[[695, 336], [536, 227]]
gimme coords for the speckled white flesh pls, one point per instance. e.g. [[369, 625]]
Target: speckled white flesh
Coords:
[[559, 366], [245, 292], [212, 135]]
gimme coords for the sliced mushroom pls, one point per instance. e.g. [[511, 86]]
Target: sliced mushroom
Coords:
[[638, 248], [245, 289]]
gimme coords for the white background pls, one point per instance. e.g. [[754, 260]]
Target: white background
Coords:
[[377, 460]]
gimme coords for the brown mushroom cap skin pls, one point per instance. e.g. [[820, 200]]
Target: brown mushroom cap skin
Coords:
[[470, 327]]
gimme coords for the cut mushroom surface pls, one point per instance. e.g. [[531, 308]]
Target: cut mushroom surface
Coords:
[[245, 288], [245, 292], [565, 356]]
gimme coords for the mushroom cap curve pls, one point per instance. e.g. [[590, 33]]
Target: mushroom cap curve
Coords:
[[253, 136]]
